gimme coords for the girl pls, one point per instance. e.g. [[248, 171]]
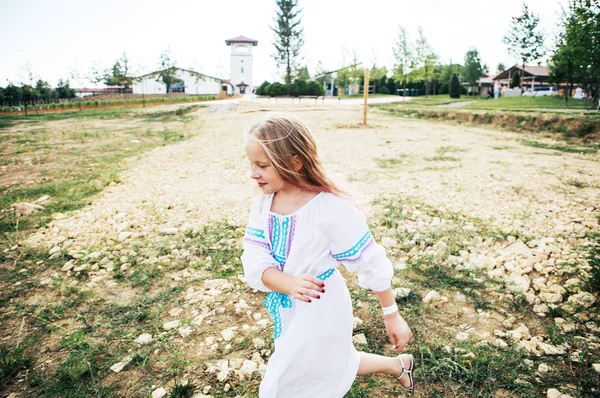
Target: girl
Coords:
[[299, 230]]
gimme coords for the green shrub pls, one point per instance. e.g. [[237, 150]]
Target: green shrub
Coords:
[[516, 81], [384, 90], [455, 88]]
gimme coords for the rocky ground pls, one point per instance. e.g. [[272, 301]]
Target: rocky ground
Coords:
[[508, 224]]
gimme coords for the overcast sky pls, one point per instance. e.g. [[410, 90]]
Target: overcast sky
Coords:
[[53, 38]]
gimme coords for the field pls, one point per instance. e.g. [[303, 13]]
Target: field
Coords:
[[128, 278]]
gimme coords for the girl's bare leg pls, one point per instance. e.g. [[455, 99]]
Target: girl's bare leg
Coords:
[[372, 363]]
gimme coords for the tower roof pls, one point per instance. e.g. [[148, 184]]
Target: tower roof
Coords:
[[241, 39]]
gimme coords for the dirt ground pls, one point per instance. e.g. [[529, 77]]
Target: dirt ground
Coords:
[[489, 179]]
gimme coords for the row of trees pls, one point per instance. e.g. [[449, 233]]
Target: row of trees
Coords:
[[414, 61], [121, 75], [40, 92], [576, 58]]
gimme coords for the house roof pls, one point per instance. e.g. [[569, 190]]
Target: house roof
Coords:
[[529, 71], [242, 84], [185, 70], [485, 79], [241, 39]]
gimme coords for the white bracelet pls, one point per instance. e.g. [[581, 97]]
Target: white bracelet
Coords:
[[390, 310]]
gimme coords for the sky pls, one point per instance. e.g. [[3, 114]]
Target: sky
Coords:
[[53, 39]]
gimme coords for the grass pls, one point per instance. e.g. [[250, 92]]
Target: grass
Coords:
[[76, 161], [386, 163], [531, 103], [533, 114], [563, 147]]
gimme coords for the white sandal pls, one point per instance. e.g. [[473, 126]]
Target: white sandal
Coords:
[[411, 388]]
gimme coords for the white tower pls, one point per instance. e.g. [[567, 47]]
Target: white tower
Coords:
[[241, 64]]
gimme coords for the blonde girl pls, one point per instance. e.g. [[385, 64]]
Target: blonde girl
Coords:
[[300, 229]]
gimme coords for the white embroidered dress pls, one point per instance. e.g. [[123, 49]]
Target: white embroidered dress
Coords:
[[314, 355]]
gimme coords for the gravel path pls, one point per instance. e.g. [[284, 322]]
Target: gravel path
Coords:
[[483, 173]]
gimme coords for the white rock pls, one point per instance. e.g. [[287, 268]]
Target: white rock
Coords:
[[159, 393], [582, 299], [543, 368], [596, 367], [144, 338], [119, 366], [197, 321], [517, 283], [541, 309], [68, 266], [356, 322], [432, 296], [500, 343], [168, 231], [258, 342], [214, 283], [124, 235], [236, 363], [518, 247], [553, 393], [359, 339], [549, 349], [185, 331], [248, 367], [229, 333], [462, 336], [550, 297], [24, 209], [401, 292], [171, 325]]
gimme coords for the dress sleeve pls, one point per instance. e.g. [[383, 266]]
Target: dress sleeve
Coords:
[[353, 245], [257, 251]]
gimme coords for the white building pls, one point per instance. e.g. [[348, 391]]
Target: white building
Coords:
[[241, 63], [192, 83]]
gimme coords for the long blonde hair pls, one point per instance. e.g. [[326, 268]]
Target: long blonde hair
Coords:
[[284, 136]]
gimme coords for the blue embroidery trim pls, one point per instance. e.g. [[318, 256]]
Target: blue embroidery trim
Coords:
[[259, 233], [275, 300], [356, 248]]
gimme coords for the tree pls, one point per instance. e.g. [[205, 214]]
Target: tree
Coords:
[[302, 73], [167, 70], [425, 58], [455, 86], [63, 90], [577, 54], [120, 74], [525, 42], [516, 81], [446, 73], [500, 68], [288, 37], [44, 90], [472, 69], [402, 57]]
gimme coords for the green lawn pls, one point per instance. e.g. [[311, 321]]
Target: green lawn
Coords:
[[530, 103]]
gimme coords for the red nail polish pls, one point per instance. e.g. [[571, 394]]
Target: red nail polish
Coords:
[[310, 301], [322, 285], [318, 297], [323, 291]]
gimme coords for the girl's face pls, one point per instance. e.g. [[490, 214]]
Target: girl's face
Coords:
[[261, 169]]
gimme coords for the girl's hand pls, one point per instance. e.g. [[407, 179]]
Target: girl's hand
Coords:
[[398, 331], [303, 287]]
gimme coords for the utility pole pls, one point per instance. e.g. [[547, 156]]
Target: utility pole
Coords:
[[365, 95]]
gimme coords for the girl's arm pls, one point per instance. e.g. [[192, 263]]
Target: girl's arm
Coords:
[[397, 329], [301, 287]]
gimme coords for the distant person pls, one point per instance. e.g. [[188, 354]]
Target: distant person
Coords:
[[490, 93], [301, 228], [496, 91]]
